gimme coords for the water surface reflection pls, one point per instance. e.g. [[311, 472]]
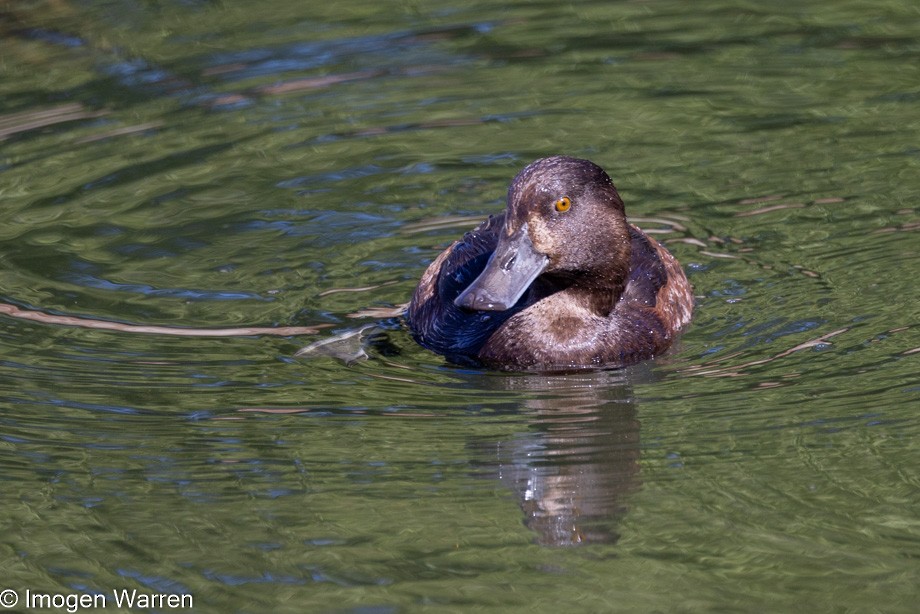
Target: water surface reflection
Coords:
[[574, 469]]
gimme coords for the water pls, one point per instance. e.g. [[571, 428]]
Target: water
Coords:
[[217, 165]]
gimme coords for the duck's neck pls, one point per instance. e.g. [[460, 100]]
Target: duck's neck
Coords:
[[597, 294]]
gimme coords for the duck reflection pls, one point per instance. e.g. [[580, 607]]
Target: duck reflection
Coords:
[[575, 466], [573, 470]]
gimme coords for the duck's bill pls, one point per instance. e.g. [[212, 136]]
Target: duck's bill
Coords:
[[513, 266]]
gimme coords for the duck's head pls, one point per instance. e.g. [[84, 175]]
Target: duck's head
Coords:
[[565, 221]]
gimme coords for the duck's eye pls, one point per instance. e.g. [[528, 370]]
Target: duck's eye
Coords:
[[563, 204]]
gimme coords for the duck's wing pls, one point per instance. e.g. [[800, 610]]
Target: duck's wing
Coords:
[[656, 280], [435, 321]]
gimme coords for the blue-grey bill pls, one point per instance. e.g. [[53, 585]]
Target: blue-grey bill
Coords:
[[513, 266]]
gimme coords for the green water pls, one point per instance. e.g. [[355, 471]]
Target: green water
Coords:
[[228, 164]]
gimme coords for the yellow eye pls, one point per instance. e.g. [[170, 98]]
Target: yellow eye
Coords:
[[563, 204]]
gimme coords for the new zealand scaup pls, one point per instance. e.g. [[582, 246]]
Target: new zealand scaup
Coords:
[[558, 281]]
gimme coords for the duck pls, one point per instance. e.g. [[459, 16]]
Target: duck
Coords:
[[558, 281]]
